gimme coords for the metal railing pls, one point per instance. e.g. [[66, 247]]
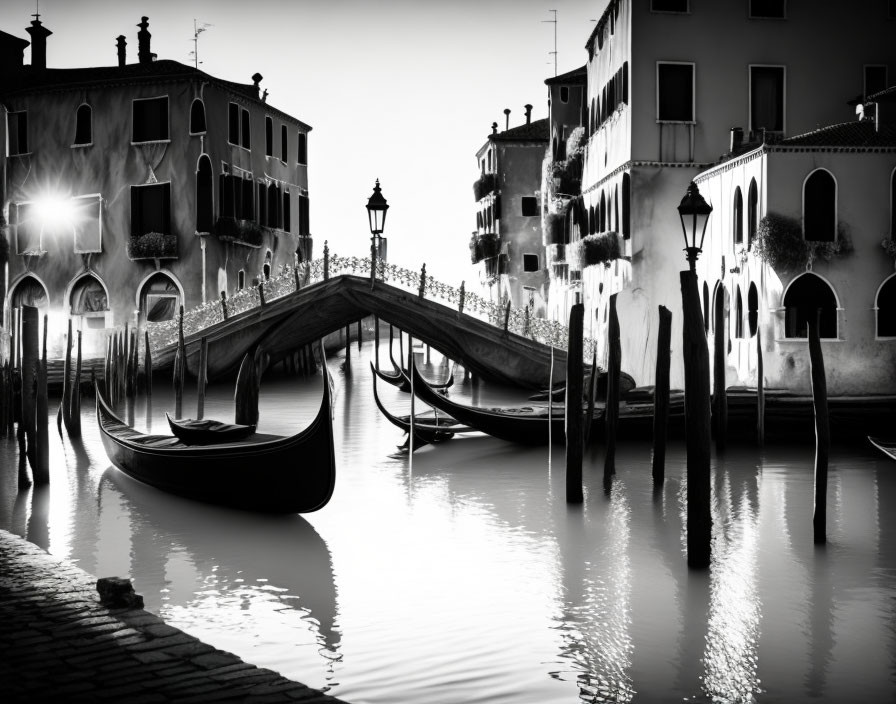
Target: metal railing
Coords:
[[290, 279]]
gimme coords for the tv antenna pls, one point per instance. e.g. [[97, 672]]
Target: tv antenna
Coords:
[[197, 30], [554, 52]]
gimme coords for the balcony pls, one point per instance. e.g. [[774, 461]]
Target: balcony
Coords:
[[484, 246], [484, 185], [247, 233]]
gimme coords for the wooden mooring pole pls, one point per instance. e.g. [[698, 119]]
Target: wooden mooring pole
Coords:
[[661, 393], [29, 366], [697, 423], [147, 365], [611, 414], [41, 422], [348, 348], [720, 362], [822, 431], [376, 340], [574, 493], [180, 364], [65, 404], [760, 390], [201, 379]]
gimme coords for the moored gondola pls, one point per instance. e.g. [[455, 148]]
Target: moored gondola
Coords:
[[269, 473], [206, 431]]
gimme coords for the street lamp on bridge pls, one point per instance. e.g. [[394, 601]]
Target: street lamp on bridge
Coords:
[[376, 213]]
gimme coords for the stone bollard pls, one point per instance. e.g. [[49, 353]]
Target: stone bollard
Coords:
[[118, 593]]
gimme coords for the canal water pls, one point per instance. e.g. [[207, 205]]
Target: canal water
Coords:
[[465, 577]]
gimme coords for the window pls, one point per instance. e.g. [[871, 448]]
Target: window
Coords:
[[529, 206], [197, 117], [150, 119], [303, 148], [284, 143], [668, 5], [262, 204], [233, 123], [807, 295], [752, 212], [89, 298], [245, 133], [241, 279], [753, 309], [875, 79], [287, 223], [28, 230], [268, 136], [83, 125], [738, 316], [626, 205], [87, 212], [530, 262], [602, 218], [17, 132], [564, 94], [768, 9], [767, 98], [674, 92], [237, 197], [266, 267], [893, 204], [205, 207], [304, 222], [820, 207], [886, 308], [737, 226], [151, 209]]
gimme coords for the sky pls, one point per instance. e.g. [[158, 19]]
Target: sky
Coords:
[[400, 90]]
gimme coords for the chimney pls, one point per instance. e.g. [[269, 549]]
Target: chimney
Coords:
[[39, 35], [506, 118], [528, 113], [144, 54], [494, 128], [737, 138], [122, 50]]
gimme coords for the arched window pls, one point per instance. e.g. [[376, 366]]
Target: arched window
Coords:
[[197, 117], [159, 298], [886, 308], [718, 299], [241, 279], [626, 205], [737, 226], [752, 213], [752, 309], [89, 300], [266, 268], [84, 125], [29, 292], [705, 307], [820, 207], [603, 213], [616, 208], [809, 294], [738, 315], [893, 205], [205, 206], [592, 221], [303, 148]]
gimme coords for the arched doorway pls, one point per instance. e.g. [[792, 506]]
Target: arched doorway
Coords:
[[885, 303], [159, 298], [29, 292]]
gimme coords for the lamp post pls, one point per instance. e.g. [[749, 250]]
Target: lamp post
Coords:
[[376, 214], [694, 213]]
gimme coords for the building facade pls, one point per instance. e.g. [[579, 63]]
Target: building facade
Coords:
[[134, 189], [661, 102], [506, 246]]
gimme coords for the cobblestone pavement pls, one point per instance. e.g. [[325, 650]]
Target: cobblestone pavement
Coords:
[[59, 643]]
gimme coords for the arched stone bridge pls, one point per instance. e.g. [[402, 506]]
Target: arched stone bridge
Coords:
[[293, 315]]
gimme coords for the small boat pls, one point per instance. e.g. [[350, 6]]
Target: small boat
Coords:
[[427, 429], [207, 431], [269, 473], [888, 447], [526, 425], [400, 380]]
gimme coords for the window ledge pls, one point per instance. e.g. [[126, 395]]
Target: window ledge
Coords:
[[198, 134], [675, 122], [88, 251], [239, 146], [762, 17], [803, 340], [151, 141], [32, 253], [12, 156], [82, 146], [885, 339]]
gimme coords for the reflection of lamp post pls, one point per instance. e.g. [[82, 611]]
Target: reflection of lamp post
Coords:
[[376, 213], [694, 213]]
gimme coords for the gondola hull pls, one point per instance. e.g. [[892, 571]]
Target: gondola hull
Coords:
[[888, 447], [525, 426], [266, 473]]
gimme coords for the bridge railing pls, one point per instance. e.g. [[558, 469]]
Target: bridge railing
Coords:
[[290, 279]]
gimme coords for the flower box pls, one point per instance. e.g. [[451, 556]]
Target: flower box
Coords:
[[243, 232], [483, 247], [152, 245]]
